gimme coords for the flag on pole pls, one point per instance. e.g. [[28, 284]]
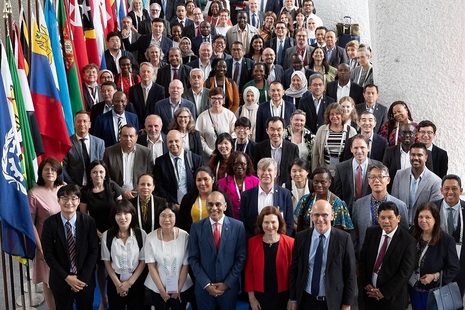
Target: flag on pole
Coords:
[[75, 20], [89, 32], [121, 11], [97, 18], [24, 38]]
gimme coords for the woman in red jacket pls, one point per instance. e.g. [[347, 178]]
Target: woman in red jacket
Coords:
[[268, 260]]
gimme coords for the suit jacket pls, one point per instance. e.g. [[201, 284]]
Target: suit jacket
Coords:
[[288, 74], [136, 96], [143, 43], [164, 77], [264, 112], [380, 113], [175, 20], [104, 129], [246, 71], [204, 100], [56, 255], [232, 36], [273, 44], [88, 101], [340, 281], [113, 66], [249, 149], [290, 152], [260, 16], [248, 212], [292, 50], [163, 109], [274, 6], [197, 40], [355, 92], [440, 161], [378, 147], [73, 163], [429, 188], [398, 264], [224, 265], [170, 9], [165, 176], [362, 219], [143, 163], [142, 140], [314, 121], [278, 73], [145, 27], [158, 202], [338, 57]]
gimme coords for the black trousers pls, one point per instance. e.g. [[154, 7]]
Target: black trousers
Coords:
[[84, 299], [310, 302]]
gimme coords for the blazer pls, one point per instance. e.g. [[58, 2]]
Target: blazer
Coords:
[[113, 66], [136, 96], [289, 152], [340, 281], [292, 50], [88, 102], [343, 184], [274, 6], [204, 100], [314, 121], [231, 37], [145, 27], [378, 147], [165, 176], [398, 264], [264, 113], [175, 20], [440, 161], [273, 44], [355, 92], [380, 113], [361, 217], [143, 163], [105, 130], [248, 212], [56, 250], [170, 9], [288, 73], [260, 16], [97, 109], [197, 40], [246, 71], [249, 150], [338, 57], [224, 265], [73, 163], [255, 264], [164, 77], [163, 109], [429, 188], [278, 73], [143, 43], [142, 140]]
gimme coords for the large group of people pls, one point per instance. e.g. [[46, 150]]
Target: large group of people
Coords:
[[237, 152]]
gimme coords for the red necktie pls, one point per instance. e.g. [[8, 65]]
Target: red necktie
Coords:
[[358, 183], [198, 30], [382, 252], [175, 74], [216, 236]]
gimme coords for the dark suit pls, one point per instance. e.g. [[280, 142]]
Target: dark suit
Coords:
[[246, 71], [355, 92], [259, 17], [440, 161], [143, 43], [264, 113], [56, 255], [186, 22], [249, 149], [339, 275], [136, 96], [248, 211], [157, 203], [73, 163], [143, 163], [274, 6], [88, 100], [105, 130], [145, 27], [288, 74], [398, 264], [378, 147], [166, 185], [163, 109], [273, 43], [164, 77], [338, 57], [113, 66], [204, 100], [314, 121], [290, 151], [142, 140], [292, 50], [278, 73], [380, 113], [198, 40], [212, 266], [170, 9], [99, 108]]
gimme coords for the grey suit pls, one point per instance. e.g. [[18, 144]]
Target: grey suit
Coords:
[[163, 108], [429, 189], [379, 111], [204, 102], [73, 163], [232, 36], [292, 50]]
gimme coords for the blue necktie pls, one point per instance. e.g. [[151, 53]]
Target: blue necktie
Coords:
[[280, 53], [317, 265], [254, 20]]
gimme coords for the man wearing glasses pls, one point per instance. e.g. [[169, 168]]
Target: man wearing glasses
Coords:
[[281, 42], [426, 134]]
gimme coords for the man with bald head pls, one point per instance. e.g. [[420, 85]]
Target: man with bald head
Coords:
[[322, 274], [275, 71], [174, 171], [174, 70], [153, 138]]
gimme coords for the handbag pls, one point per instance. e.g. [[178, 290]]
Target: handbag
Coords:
[[445, 297], [347, 28]]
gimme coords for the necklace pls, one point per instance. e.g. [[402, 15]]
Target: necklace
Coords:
[[272, 241]]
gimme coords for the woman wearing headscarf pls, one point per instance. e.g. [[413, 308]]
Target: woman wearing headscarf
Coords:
[[298, 88], [250, 96]]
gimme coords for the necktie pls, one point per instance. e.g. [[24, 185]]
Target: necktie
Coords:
[[216, 236], [317, 265], [85, 154], [71, 248], [358, 183], [374, 212], [382, 252], [175, 74], [120, 126], [182, 23], [236, 72], [329, 55], [198, 30], [280, 53], [146, 94], [450, 221], [176, 160], [254, 20]]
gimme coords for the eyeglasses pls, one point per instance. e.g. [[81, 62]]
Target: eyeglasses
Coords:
[[425, 132], [377, 177], [66, 199], [323, 215], [240, 164], [317, 84], [216, 99], [242, 128], [166, 216]]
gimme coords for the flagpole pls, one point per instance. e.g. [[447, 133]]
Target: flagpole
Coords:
[[29, 35], [9, 30], [5, 280]]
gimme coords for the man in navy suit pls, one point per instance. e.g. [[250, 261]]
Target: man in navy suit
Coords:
[[175, 69], [275, 71], [344, 87], [217, 249], [267, 193], [297, 64], [165, 108], [114, 52], [108, 125], [204, 61], [244, 65], [426, 134], [281, 42], [205, 36], [76, 162], [370, 94], [335, 55], [180, 17]]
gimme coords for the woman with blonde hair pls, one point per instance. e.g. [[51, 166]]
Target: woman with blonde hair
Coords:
[[350, 113]]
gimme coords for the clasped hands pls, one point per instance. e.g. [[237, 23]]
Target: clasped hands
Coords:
[[373, 292], [216, 289]]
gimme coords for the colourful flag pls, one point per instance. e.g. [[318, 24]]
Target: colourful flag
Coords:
[[121, 11], [97, 17], [75, 20], [17, 230], [45, 94], [89, 32], [24, 38]]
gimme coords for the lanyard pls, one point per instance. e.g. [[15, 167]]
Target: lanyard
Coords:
[[245, 146], [139, 217]]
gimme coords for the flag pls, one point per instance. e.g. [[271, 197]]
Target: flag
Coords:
[[121, 11], [24, 38], [45, 93], [17, 230], [108, 19], [75, 21], [97, 18], [72, 72], [89, 32]]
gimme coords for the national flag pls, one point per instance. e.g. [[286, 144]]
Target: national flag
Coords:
[[97, 18], [45, 93], [108, 20], [75, 20], [24, 38], [89, 32], [17, 230], [121, 11]]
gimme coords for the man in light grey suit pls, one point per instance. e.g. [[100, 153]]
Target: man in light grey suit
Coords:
[[364, 211], [76, 162], [417, 184], [197, 94], [234, 35]]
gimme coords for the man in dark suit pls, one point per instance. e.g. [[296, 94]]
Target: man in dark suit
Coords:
[[90, 88], [335, 55], [297, 65], [168, 8], [387, 260], [452, 211], [205, 36], [217, 249], [275, 71], [193, 29], [301, 48], [370, 94], [272, 194], [146, 24], [145, 92], [204, 61], [181, 17], [108, 125], [174, 171], [70, 246], [108, 89], [255, 15], [322, 273], [316, 104], [276, 147], [343, 86], [153, 138], [219, 45], [281, 42], [85, 149], [239, 68], [114, 52], [426, 134], [242, 143], [197, 94], [174, 70]]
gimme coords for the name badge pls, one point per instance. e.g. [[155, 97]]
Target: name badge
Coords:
[[458, 246], [414, 278], [171, 284]]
